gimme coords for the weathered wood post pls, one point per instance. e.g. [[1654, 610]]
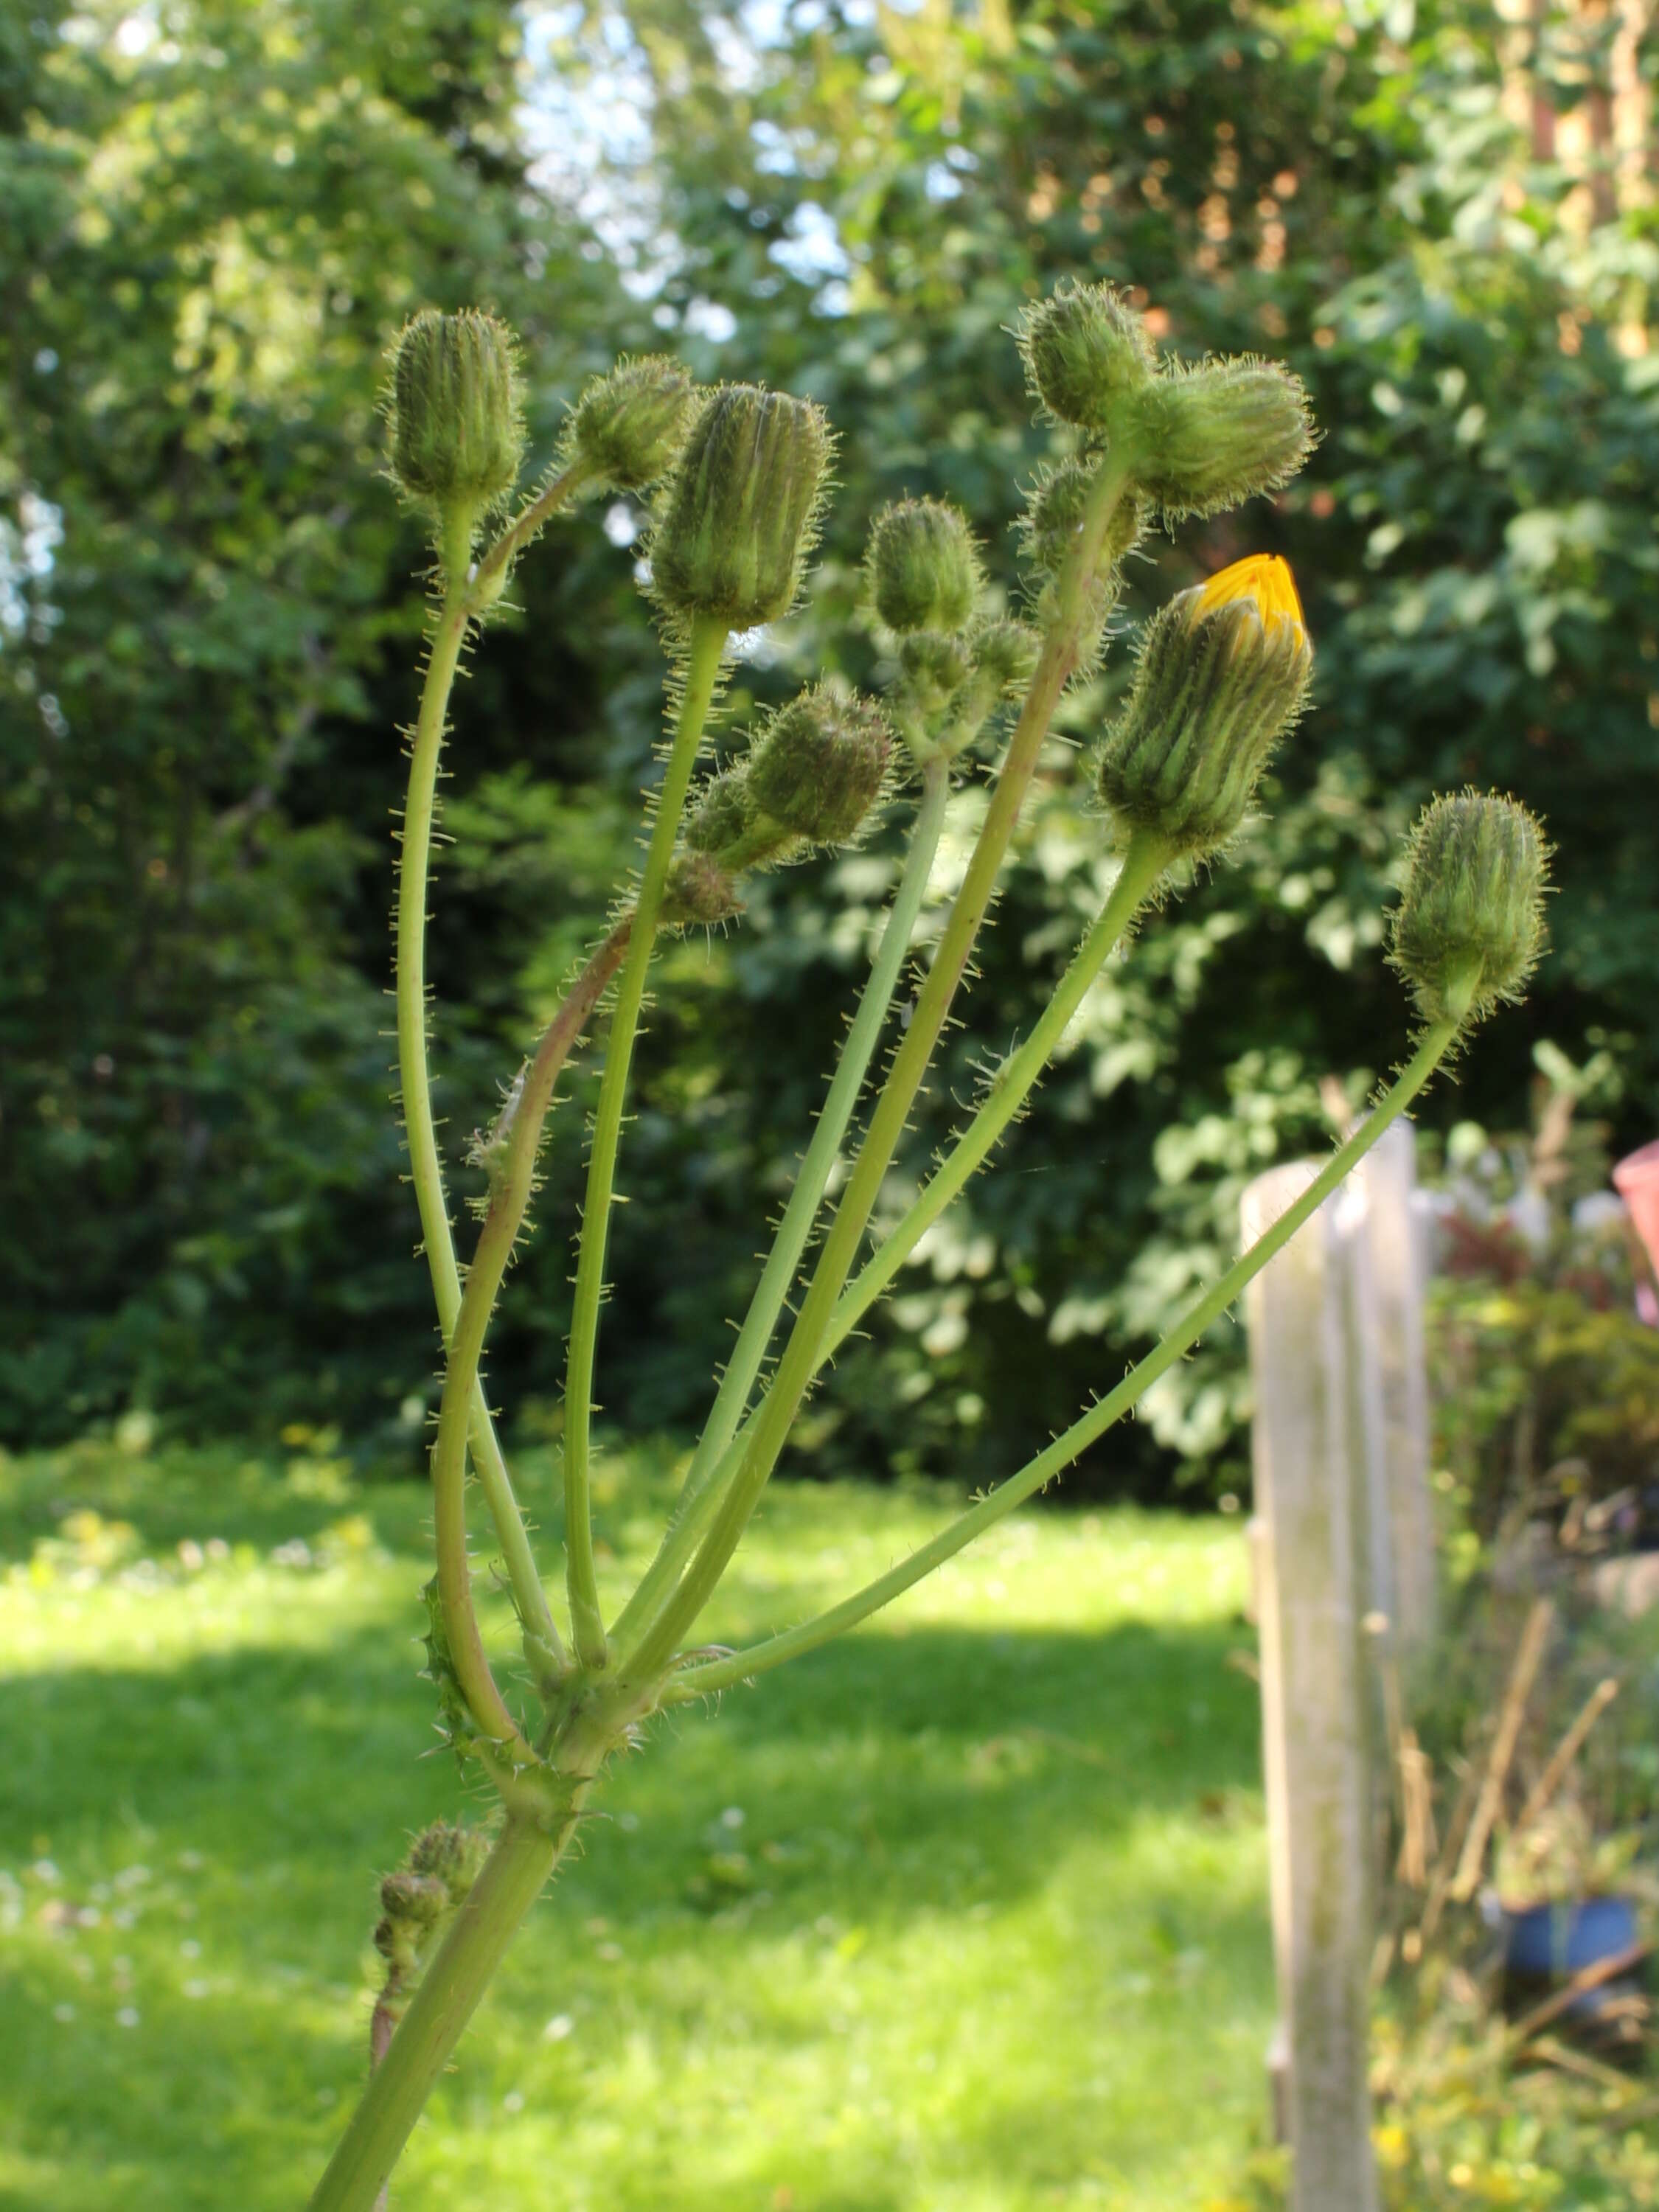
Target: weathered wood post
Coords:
[[1389, 1325], [1312, 1498]]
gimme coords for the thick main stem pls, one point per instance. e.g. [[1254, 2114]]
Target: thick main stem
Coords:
[[426, 1170], [524, 1855], [702, 1479], [717, 1675], [702, 673], [1144, 863], [804, 1350], [512, 1183]]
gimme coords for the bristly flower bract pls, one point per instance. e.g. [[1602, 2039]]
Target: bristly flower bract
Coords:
[[1223, 671]]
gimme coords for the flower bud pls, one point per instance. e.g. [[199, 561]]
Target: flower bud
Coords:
[[726, 825], [1212, 437], [1223, 672], [739, 513], [819, 767], [699, 893], [628, 426], [450, 1854], [419, 1899], [1005, 654], [721, 814], [1055, 510], [1469, 927], [924, 567], [1087, 356], [933, 668], [457, 420]]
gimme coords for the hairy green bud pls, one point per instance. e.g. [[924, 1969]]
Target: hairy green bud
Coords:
[[1087, 356], [739, 514], [721, 815], [419, 1899], [924, 567], [820, 765], [1469, 927], [726, 825], [450, 1854], [699, 893], [1004, 653], [1223, 672], [628, 426], [1213, 436], [933, 669], [456, 413], [1054, 509]]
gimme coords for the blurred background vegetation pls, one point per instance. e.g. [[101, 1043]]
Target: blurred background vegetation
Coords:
[[219, 211]]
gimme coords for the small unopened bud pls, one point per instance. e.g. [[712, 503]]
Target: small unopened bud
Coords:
[[1054, 512], [933, 668], [1469, 927], [1223, 673], [450, 1854], [720, 815], [819, 767], [924, 568], [417, 1898], [1087, 355], [457, 420], [699, 893], [628, 426], [739, 513], [1216, 435], [1005, 654]]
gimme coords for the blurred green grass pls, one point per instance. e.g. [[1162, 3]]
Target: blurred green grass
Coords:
[[966, 1911]]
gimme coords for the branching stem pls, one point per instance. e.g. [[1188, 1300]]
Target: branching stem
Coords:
[[721, 1674], [702, 1485], [524, 1855], [802, 1351], [426, 1170], [1144, 863], [701, 672], [510, 1188]]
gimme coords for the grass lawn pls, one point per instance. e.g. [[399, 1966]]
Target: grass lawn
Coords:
[[967, 1912]]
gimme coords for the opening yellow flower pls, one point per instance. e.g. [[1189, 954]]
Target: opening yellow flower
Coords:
[[1262, 579]]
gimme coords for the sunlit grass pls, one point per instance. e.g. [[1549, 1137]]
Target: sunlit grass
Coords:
[[967, 1912]]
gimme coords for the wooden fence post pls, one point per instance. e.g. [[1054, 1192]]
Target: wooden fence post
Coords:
[[1389, 1300], [1313, 1499]]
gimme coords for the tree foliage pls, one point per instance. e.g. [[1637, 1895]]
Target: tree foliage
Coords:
[[203, 591]]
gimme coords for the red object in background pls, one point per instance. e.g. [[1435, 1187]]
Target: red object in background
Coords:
[[1635, 1179]]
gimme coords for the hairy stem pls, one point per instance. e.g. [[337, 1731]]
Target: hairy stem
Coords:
[[558, 492], [717, 1675], [702, 673], [1144, 863], [802, 1351], [426, 1170], [700, 1486], [511, 1180], [524, 1855]]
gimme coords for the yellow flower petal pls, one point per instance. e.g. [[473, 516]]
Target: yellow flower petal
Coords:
[[1262, 577]]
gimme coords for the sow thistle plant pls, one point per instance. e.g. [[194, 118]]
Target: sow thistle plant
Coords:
[[1220, 674]]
